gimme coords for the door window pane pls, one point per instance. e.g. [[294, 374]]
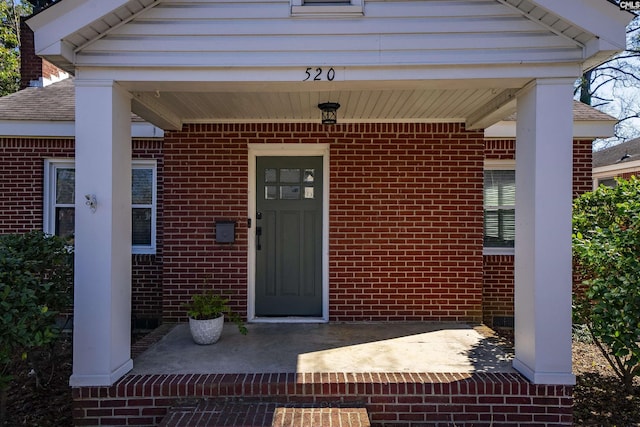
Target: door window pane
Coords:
[[289, 192], [308, 193], [309, 175], [290, 176], [270, 175], [270, 192]]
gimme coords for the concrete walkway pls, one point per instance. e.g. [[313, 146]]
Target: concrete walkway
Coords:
[[331, 347]]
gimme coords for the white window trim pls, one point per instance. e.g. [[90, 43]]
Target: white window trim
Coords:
[[496, 164], [50, 166], [354, 8], [146, 164], [49, 196]]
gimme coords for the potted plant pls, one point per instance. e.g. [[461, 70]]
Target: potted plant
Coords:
[[206, 317]]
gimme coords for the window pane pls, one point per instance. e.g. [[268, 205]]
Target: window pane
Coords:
[[491, 226], [289, 192], [309, 175], [499, 188], [499, 228], [65, 186], [508, 225], [607, 182], [142, 186], [65, 222], [141, 226], [290, 175], [270, 175], [308, 193], [270, 192]]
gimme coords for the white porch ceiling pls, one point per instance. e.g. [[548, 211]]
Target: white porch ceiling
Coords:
[[225, 103]]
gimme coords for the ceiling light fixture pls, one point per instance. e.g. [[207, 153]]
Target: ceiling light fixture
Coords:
[[329, 116]]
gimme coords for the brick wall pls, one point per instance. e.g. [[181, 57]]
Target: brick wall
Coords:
[[582, 166], [393, 400], [406, 223], [498, 287], [405, 216], [21, 205], [32, 67]]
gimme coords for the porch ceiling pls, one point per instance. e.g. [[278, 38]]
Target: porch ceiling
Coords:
[[169, 105]]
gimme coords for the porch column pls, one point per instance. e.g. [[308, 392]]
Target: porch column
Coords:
[[102, 289], [543, 232]]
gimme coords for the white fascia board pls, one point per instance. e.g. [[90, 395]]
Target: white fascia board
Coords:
[[581, 129], [616, 169], [48, 129], [601, 18], [66, 17], [422, 74], [61, 54]]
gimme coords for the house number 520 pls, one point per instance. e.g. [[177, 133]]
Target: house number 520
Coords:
[[319, 74]]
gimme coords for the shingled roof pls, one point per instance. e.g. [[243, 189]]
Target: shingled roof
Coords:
[[50, 103], [622, 153], [581, 113], [55, 102]]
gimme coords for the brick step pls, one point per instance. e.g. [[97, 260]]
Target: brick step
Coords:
[[207, 413], [320, 417]]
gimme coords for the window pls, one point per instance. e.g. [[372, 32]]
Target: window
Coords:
[[608, 182], [499, 208], [327, 7], [59, 216]]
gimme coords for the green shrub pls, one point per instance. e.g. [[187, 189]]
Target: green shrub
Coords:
[[606, 248], [36, 281]]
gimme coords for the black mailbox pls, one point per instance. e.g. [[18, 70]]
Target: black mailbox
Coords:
[[225, 231]]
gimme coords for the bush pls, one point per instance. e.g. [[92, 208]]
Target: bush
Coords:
[[36, 280], [606, 247]]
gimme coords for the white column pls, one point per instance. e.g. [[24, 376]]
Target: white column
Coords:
[[102, 290], [543, 232]]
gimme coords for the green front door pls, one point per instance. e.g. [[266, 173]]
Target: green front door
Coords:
[[288, 236]]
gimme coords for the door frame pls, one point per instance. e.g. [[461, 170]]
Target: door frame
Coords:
[[286, 150]]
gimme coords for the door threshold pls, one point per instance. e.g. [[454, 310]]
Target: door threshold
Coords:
[[288, 319]]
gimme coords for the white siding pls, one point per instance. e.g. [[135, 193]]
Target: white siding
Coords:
[[263, 33]]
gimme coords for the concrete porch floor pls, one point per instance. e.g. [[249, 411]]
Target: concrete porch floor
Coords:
[[330, 347]]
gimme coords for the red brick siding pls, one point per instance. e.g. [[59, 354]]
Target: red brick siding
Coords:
[[500, 149], [32, 67], [405, 216], [398, 400], [206, 171], [582, 166], [498, 288], [21, 205], [406, 223], [21, 186]]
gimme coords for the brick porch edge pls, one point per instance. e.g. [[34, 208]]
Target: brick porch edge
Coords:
[[392, 399]]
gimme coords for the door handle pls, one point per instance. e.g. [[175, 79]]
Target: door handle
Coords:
[[258, 234]]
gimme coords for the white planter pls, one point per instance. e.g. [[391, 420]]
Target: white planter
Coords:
[[206, 331]]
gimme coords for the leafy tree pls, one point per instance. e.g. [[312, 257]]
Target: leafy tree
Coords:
[[41, 4], [606, 247], [9, 46], [36, 277], [614, 86]]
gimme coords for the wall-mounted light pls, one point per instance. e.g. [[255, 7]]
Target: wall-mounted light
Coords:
[[91, 202], [329, 116]]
